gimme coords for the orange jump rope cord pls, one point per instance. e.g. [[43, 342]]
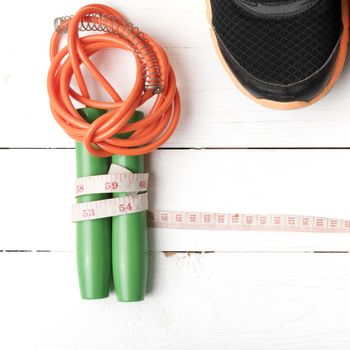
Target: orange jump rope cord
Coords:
[[151, 60]]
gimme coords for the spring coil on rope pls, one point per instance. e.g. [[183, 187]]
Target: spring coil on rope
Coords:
[[124, 29], [155, 77]]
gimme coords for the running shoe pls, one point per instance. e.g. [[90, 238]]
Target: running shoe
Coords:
[[282, 53]]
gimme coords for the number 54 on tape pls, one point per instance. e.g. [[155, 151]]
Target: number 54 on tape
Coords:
[[109, 207]]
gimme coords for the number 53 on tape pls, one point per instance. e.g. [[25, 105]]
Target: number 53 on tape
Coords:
[[109, 207]]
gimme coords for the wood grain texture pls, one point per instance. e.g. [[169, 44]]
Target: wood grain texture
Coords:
[[208, 301], [38, 190], [268, 291], [215, 113]]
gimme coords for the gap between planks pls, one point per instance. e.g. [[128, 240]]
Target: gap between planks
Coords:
[[189, 253]]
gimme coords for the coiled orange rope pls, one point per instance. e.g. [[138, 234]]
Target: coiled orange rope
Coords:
[[153, 68]]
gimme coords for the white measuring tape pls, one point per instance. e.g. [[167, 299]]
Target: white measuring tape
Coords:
[[111, 183], [119, 180], [110, 207], [245, 222]]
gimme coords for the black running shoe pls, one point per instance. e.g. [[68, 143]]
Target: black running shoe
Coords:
[[281, 53]]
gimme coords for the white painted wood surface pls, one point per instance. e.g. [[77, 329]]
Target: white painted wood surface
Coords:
[[214, 112], [39, 186], [266, 291], [209, 301]]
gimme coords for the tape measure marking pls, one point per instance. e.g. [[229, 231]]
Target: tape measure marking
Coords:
[[244, 222], [111, 183], [109, 207], [120, 179]]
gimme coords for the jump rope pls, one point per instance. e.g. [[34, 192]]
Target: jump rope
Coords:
[[111, 139], [111, 132]]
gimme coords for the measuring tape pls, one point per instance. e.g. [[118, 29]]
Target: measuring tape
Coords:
[[120, 179], [110, 207], [111, 183], [244, 222]]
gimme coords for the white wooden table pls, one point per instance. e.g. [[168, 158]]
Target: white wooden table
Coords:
[[272, 290]]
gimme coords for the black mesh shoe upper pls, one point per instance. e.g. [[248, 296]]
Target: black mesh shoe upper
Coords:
[[282, 49]]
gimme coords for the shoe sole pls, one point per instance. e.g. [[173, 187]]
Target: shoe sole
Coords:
[[338, 67]]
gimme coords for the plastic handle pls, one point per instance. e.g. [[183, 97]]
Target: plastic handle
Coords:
[[94, 236], [129, 240], [120, 242]]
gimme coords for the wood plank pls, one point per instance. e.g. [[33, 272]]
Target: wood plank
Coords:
[[215, 113], [208, 301], [37, 191]]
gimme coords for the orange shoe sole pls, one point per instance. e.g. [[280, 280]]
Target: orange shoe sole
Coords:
[[338, 67]]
